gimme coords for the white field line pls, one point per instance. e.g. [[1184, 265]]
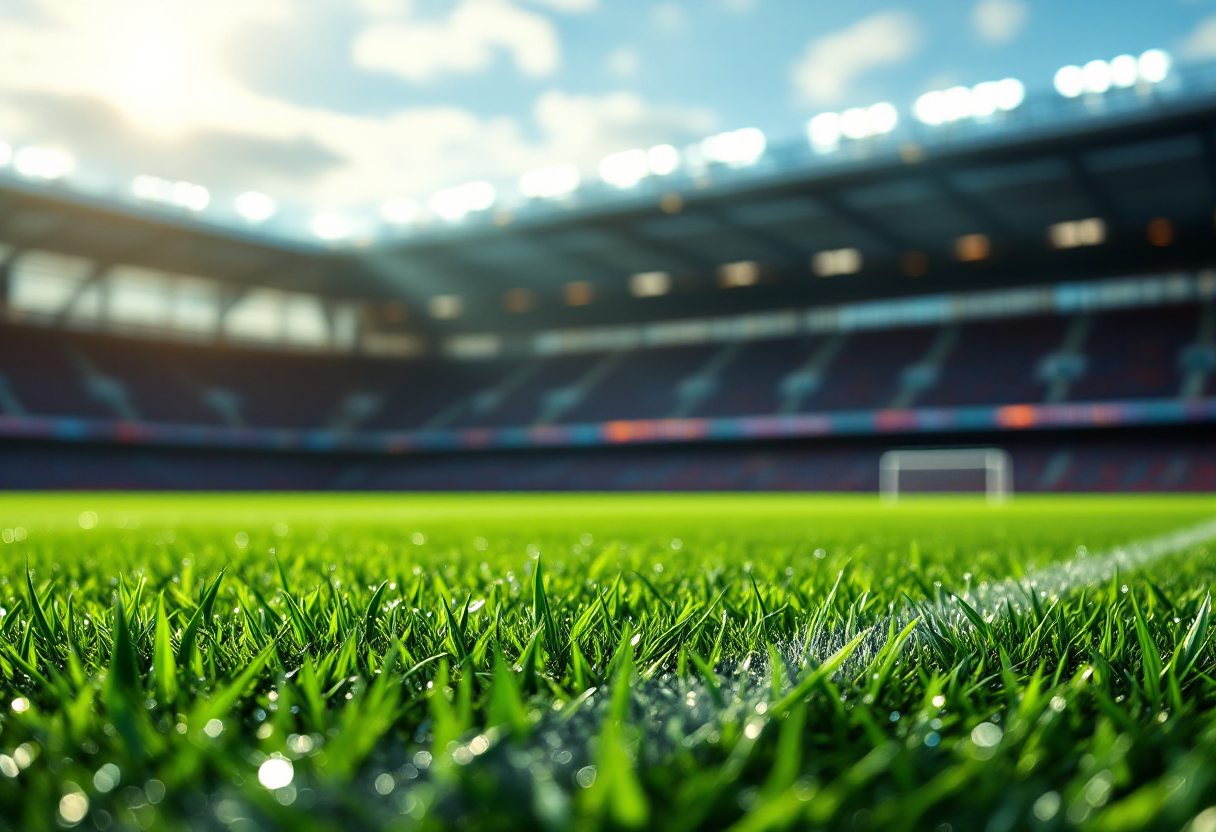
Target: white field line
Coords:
[[1012, 594]]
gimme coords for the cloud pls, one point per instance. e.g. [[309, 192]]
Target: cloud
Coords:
[[624, 62], [569, 6], [669, 17], [1200, 44], [584, 128], [999, 21], [467, 41], [831, 63]]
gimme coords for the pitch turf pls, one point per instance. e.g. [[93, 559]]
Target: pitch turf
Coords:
[[318, 662]]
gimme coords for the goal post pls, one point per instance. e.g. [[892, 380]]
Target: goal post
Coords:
[[994, 463]]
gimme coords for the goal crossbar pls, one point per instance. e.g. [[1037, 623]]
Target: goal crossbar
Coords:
[[996, 464]]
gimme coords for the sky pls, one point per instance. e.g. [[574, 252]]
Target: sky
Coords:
[[338, 105]]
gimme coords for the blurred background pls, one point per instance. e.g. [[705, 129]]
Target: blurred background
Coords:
[[567, 244]]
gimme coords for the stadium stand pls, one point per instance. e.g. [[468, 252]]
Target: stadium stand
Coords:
[[1047, 273]]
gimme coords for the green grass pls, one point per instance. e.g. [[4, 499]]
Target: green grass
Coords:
[[585, 662]]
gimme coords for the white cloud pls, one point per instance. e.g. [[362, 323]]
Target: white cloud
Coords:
[[1200, 44], [157, 77], [999, 21], [624, 62], [669, 17], [467, 41], [569, 6], [831, 63]]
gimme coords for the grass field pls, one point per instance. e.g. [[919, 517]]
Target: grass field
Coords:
[[312, 662]]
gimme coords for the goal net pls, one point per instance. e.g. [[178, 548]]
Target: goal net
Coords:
[[947, 470]]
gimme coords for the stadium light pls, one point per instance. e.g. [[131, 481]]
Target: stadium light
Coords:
[[1096, 75], [550, 182], [330, 227], [175, 194], [625, 169], [402, 211], [738, 148], [6, 154], [1077, 233], [958, 103], [1070, 81], [445, 307], [649, 284], [43, 163], [823, 131], [1124, 71], [454, 204], [836, 262], [663, 159], [1154, 66], [735, 275], [255, 207]]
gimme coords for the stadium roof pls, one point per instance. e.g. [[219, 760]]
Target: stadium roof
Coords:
[[900, 203]]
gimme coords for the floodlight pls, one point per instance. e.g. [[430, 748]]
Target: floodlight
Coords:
[[737, 148], [663, 159], [42, 163], [984, 98], [255, 207], [331, 227], [176, 194], [855, 123], [555, 181], [1070, 81], [930, 108], [1154, 66], [1124, 72], [883, 117], [190, 196], [1010, 93], [649, 284], [1097, 77], [824, 131], [400, 211], [625, 169], [957, 103], [454, 204], [6, 154]]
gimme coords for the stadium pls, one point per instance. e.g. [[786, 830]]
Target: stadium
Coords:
[[993, 306]]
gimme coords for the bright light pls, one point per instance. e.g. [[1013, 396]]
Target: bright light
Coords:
[[255, 207], [276, 773], [883, 117], [1097, 77], [1124, 72], [1010, 93], [41, 163], [1070, 81], [930, 108], [445, 307], [836, 262], [855, 123], [453, 204], [663, 159], [824, 131], [331, 226], [650, 284], [1154, 66], [402, 211], [737, 148], [6, 154], [625, 169], [1076, 233], [555, 181], [984, 98], [176, 194], [735, 275]]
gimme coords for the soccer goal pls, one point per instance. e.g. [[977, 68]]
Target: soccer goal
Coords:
[[946, 470]]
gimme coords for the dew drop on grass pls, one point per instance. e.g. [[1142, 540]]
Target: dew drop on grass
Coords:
[[276, 773]]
